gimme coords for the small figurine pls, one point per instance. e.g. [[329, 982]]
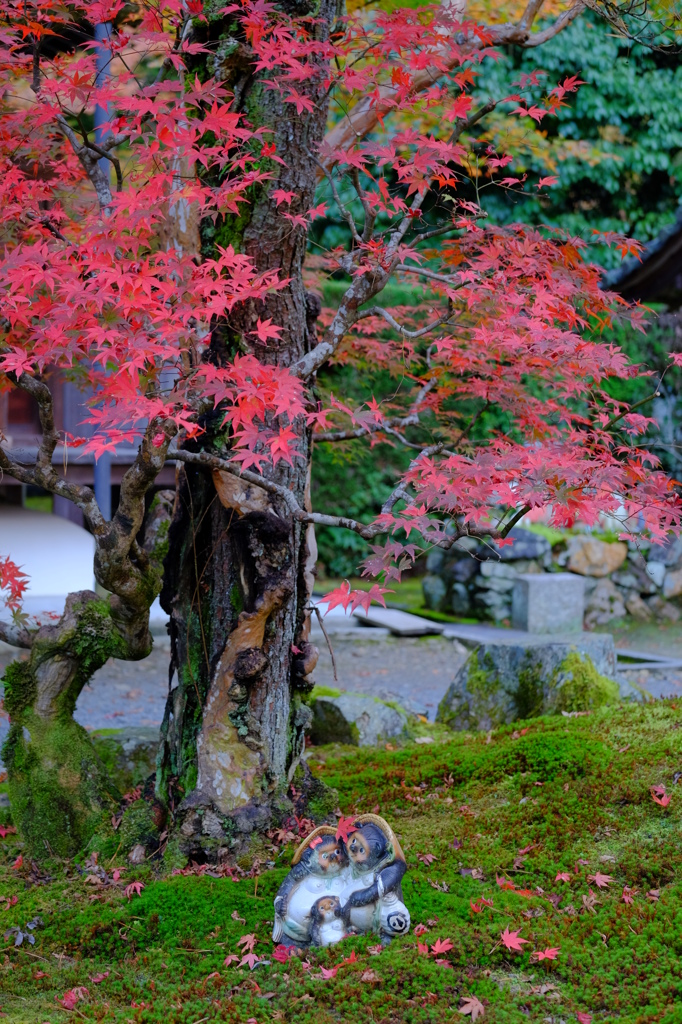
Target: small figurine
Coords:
[[327, 927], [316, 871], [373, 899], [343, 882]]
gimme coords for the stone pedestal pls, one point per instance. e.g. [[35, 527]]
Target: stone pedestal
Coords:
[[549, 603]]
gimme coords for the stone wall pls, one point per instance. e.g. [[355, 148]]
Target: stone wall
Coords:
[[621, 579]]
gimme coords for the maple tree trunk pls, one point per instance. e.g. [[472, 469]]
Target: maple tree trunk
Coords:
[[239, 576], [59, 790]]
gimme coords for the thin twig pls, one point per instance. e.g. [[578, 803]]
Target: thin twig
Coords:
[[329, 643]]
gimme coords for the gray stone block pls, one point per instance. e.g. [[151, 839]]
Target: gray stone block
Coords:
[[548, 603], [525, 544], [520, 677], [435, 592], [355, 719], [460, 602]]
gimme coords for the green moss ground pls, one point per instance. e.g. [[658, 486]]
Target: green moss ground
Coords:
[[575, 789]]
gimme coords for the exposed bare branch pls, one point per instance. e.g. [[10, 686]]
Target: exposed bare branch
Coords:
[[90, 161], [423, 272], [562, 22], [346, 214], [16, 636], [380, 311]]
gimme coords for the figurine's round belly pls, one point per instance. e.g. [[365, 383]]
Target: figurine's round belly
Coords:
[[361, 918], [297, 923]]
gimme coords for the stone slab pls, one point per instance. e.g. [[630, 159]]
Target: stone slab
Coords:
[[549, 603], [399, 623]]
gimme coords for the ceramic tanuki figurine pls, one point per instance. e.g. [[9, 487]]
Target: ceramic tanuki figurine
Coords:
[[341, 883], [373, 899], [317, 872]]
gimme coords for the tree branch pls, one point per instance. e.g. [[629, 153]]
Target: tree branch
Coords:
[[90, 161], [380, 311], [16, 636], [422, 272], [562, 22], [301, 515], [365, 115]]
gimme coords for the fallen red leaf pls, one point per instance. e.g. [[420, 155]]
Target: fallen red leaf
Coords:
[[251, 959], [247, 942], [603, 881], [419, 929], [73, 996], [546, 954], [512, 940], [563, 876], [329, 972], [473, 1006], [441, 946]]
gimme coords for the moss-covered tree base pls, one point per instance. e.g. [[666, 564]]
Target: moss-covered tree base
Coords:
[[58, 788]]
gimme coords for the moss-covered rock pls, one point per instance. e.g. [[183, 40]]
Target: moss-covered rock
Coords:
[[503, 682], [354, 719]]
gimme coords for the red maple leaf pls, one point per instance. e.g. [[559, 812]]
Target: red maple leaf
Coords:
[[345, 827], [419, 929], [584, 1018], [426, 858], [72, 997], [600, 880], [441, 946], [329, 972], [251, 959], [134, 888], [281, 954], [546, 954], [247, 942], [230, 959], [473, 1006], [512, 940], [563, 876]]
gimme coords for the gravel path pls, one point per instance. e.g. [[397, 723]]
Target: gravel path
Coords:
[[415, 671]]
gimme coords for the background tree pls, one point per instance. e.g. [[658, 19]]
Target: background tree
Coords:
[[214, 363]]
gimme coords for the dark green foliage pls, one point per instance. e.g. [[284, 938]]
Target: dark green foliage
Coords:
[[618, 141]]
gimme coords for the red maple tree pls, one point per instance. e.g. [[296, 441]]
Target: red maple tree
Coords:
[[176, 295]]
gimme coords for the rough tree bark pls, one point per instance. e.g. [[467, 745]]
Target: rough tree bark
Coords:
[[240, 577]]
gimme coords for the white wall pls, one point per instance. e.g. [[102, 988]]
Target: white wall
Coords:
[[56, 555]]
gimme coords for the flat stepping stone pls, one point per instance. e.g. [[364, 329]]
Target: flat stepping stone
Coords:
[[399, 623]]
